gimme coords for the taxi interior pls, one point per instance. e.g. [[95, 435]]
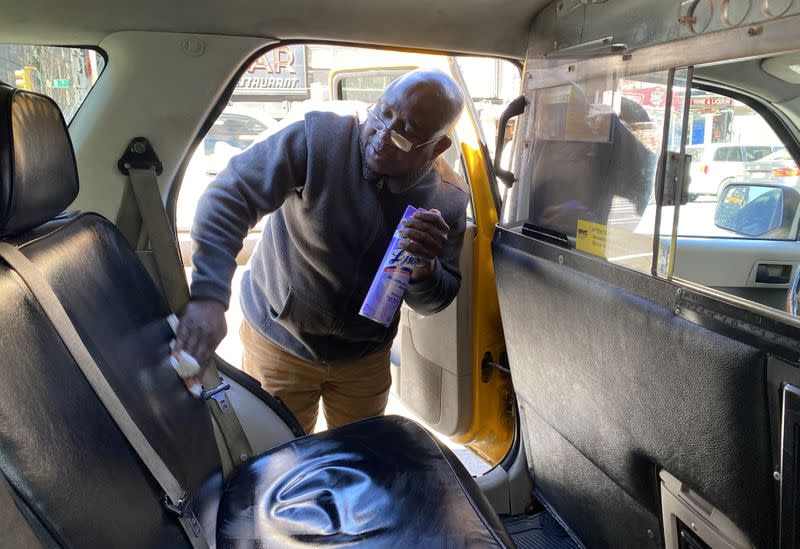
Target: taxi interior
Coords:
[[656, 391]]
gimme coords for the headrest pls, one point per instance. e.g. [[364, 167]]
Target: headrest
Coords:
[[38, 173]]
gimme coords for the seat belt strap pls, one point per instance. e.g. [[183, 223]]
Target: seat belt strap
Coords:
[[162, 241], [143, 166], [176, 499]]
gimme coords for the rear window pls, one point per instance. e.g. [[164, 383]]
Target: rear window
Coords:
[[64, 74], [365, 86], [756, 153], [728, 154]]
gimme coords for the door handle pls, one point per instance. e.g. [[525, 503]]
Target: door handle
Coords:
[[772, 273], [515, 108]]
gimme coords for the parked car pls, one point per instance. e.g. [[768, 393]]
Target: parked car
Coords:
[[238, 130], [777, 168], [716, 164]]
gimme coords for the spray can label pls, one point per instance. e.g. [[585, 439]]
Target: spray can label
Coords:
[[390, 282]]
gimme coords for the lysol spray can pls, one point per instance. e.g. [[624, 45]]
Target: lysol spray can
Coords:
[[390, 282]]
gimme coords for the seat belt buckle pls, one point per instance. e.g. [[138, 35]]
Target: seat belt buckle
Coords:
[[218, 394], [183, 510], [178, 508]]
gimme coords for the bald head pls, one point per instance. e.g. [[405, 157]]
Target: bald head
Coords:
[[432, 91], [422, 107]]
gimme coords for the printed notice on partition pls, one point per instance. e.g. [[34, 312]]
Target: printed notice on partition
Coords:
[[591, 238]]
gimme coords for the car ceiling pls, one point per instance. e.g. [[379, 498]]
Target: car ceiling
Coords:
[[496, 28]]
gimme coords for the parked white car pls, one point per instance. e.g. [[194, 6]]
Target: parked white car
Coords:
[[716, 164], [777, 168]]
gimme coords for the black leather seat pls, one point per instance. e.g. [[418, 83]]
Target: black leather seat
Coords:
[[380, 482]]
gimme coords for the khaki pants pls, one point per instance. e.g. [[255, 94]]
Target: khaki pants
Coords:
[[350, 390]]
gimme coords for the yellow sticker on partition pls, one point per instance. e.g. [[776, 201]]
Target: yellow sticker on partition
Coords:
[[591, 238]]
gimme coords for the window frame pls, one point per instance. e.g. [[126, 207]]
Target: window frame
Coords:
[[93, 47]]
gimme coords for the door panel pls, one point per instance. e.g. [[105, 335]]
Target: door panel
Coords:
[[434, 377], [731, 265], [614, 383]]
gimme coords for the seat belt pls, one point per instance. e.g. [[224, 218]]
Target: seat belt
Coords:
[[176, 499], [142, 165]]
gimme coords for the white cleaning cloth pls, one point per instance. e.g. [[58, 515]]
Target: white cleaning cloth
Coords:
[[184, 363]]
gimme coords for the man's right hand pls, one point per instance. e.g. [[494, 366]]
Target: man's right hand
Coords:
[[201, 328]]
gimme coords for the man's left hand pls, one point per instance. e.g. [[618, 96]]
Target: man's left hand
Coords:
[[424, 236]]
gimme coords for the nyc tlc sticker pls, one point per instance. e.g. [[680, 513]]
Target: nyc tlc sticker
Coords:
[[591, 238]]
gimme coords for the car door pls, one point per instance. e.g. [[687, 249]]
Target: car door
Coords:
[[441, 368]]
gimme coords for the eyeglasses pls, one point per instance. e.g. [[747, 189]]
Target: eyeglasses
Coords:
[[398, 140]]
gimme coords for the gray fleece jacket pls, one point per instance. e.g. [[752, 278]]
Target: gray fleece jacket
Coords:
[[331, 221]]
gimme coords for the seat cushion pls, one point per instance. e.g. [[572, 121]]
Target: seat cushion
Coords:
[[382, 482]]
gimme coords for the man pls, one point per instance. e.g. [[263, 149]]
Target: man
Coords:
[[336, 190]]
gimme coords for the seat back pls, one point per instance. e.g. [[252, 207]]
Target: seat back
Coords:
[[61, 451]]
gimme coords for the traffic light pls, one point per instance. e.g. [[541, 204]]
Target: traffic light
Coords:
[[24, 77]]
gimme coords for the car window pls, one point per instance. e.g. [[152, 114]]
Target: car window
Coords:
[[723, 120], [590, 181], [752, 154], [237, 131], [728, 154], [240, 123], [366, 86], [64, 74], [564, 148]]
